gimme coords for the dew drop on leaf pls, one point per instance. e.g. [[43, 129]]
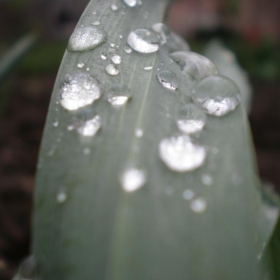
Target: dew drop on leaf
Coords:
[[61, 196], [207, 180], [96, 23], [79, 90], [143, 41], [180, 154], [118, 95], [112, 70], [80, 65], [217, 95], [127, 49], [133, 179], [191, 119], [86, 38], [168, 79], [116, 59], [194, 65], [188, 194], [90, 127], [131, 3], [114, 7], [198, 205]]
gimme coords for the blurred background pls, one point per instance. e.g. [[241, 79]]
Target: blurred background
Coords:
[[250, 28]]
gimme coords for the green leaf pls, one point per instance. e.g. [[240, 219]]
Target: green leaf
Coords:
[[86, 226]]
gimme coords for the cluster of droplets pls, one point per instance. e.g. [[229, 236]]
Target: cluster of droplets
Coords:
[[211, 94]]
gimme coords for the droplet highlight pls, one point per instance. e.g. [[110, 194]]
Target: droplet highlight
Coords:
[[180, 154], [133, 179], [78, 91], [86, 38], [143, 41], [217, 95], [131, 3], [116, 59], [198, 205], [118, 95], [90, 128], [112, 70]]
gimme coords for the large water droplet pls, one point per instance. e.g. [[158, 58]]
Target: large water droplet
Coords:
[[194, 65], [118, 95], [27, 269], [86, 38], [198, 205], [131, 3], [163, 31], [78, 91], [217, 95], [168, 79], [116, 59], [90, 127], [133, 179], [180, 154], [191, 119], [112, 70], [143, 41]]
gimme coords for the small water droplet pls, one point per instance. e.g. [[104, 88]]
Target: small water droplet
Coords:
[[70, 127], [139, 133], [127, 49], [96, 23], [114, 7], [217, 95], [80, 65], [131, 3], [61, 196], [103, 56], [112, 70], [90, 127], [148, 68], [87, 151], [180, 154], [191, 119], [56, 123], [143, 41], [163, 31], [86, 38], [198, 205], [193, 65], [116, 59], [118, 95], [28, 268], [168, 79], [133, 179], [188, 194], [112, 45], [79, 90], [207, 180], [121, 36]]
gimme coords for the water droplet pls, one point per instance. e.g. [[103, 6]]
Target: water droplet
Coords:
[[116, 59], [180, 154], [131, 3], [168, 79], [90, 127], [127, 49], [188, 194], [112, 70], [56, 123], [61, 196], [207, 180], [133, 179], [96, 23], [148, 68], [87, 151], [163, 31], [70, 127], [217, 95], [80, 65], [118, 95], [78, 91], [191, 119], [193, 65], [103, 56], [139, 133], [86, 38], [28, 268], [143, 41], [198, 205], [114, 7]]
